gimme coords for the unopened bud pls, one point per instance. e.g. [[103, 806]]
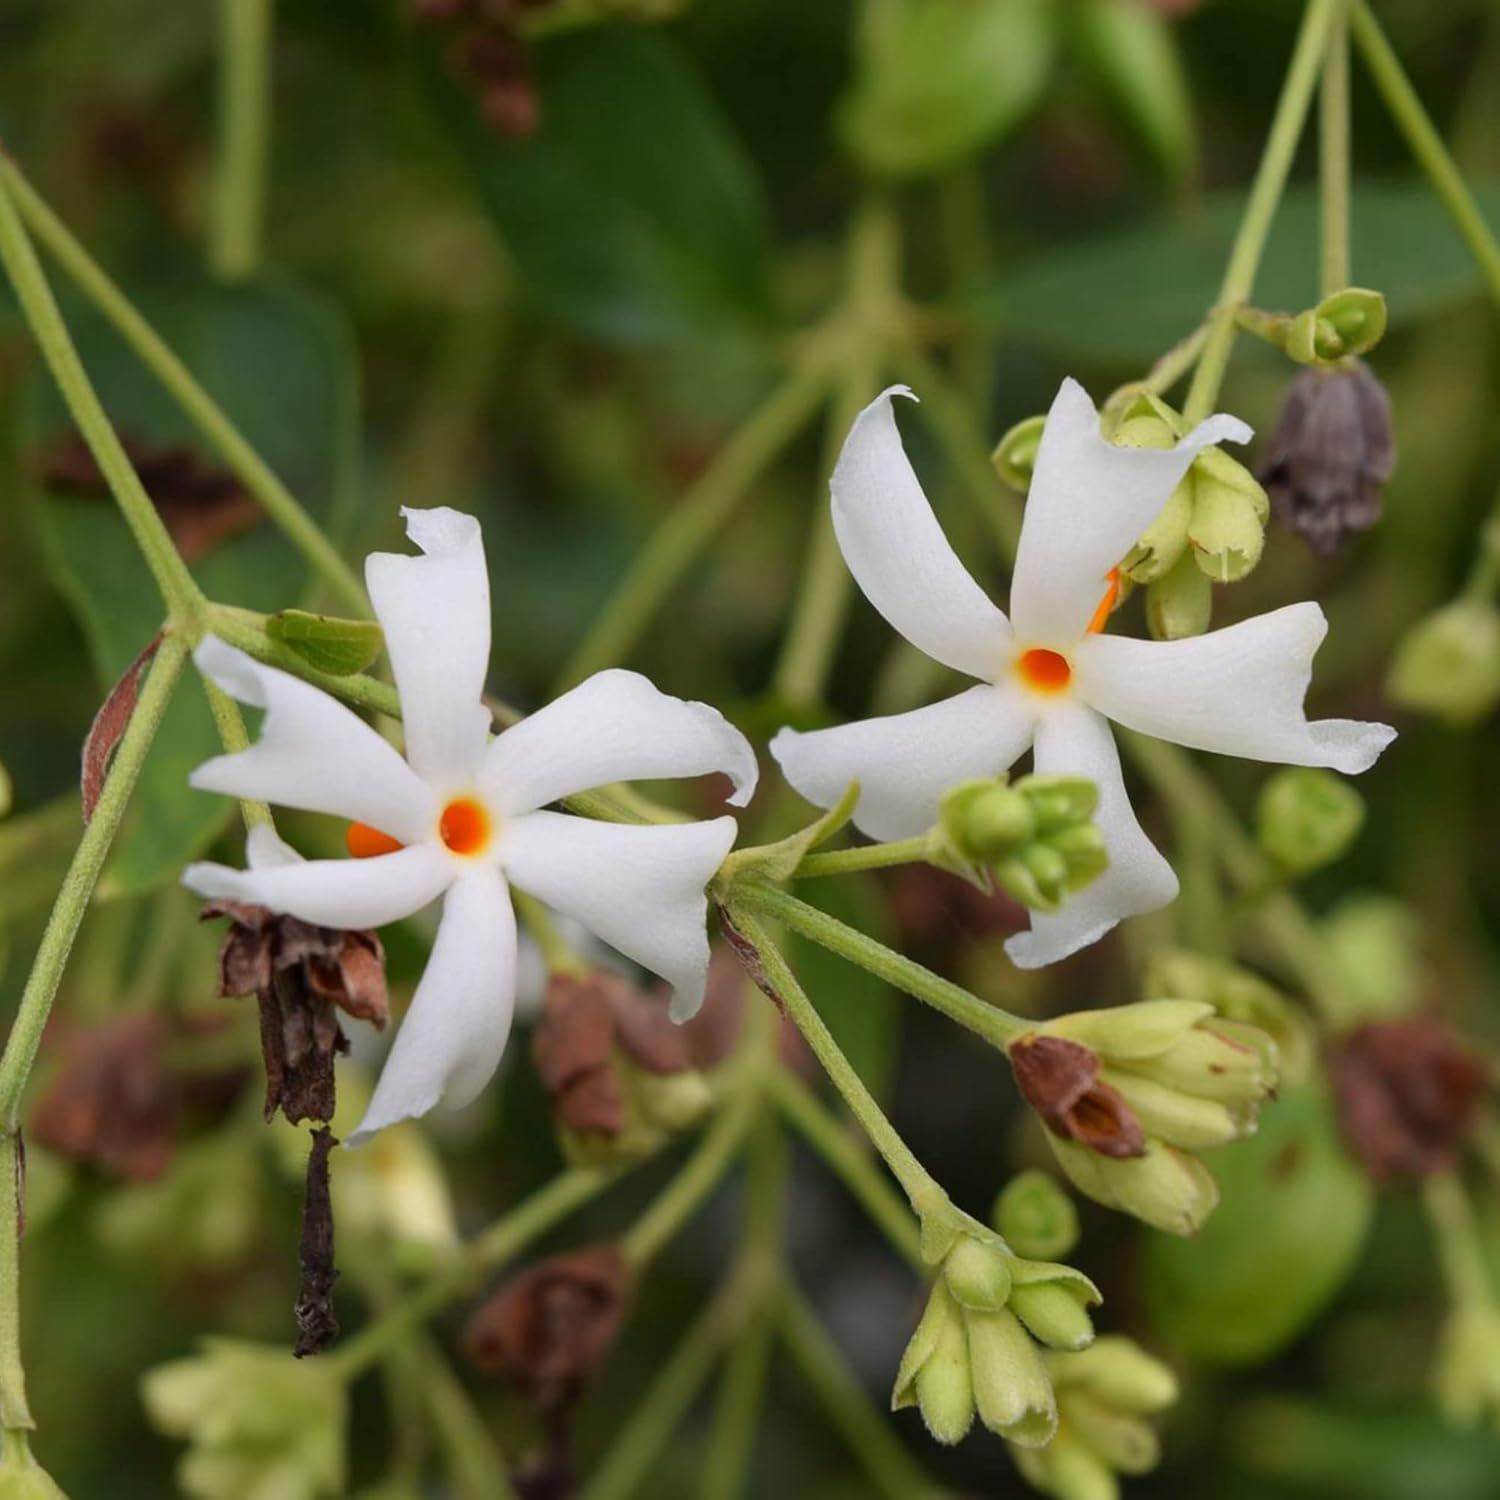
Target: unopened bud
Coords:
[[986, 820], [1118, 1372], [1169, 1189], [978, 1274], [1180, 603], [934, 1371], [1374, 947], [1015, 454], [1449, 664], [1012, 1389], [1054, 1313], [1342, 325], [1164, 541], [1307, 817], [1035, 1217], [1227, 530]]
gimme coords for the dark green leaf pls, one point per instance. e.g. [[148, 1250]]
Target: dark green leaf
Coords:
[[1292, 1218], [338, 647], [631, 212]]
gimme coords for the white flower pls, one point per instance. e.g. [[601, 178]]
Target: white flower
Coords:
[[1048, 682], [461, 817]]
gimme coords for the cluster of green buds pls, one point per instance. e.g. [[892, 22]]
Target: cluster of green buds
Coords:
[[976, 1350], [1130, 1094], [1211, 530], [1104, 1395], [1036, 836], [259, 1422], [1448, 665]]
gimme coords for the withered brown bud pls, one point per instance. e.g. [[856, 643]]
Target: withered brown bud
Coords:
[[1060, 1081], [1333, 449], [301, 975], [112, 1102], [317, 1324], [1408, 1095], [200, 504], [550, 1327]]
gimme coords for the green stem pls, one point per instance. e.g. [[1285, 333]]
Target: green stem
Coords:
[[696, 520], [200, 408], [891, 1469], [1333, 157], [846, 1155], [990, 1022], [178, 591], [78, 885], [15, 1413], [1177, 361], [556, 953], [700, 1175], [1426, 144], [923, 1193], [234, 737], [476, 1465], [1260, 208], [863, 857], [1457, 1239], [244, 130]]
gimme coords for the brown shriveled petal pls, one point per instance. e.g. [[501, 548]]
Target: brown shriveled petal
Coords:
[[109, 724], [112, 1102], [1060, 1081], [317, 1323], [1408, 1095], [200, 504], [550, 1327]]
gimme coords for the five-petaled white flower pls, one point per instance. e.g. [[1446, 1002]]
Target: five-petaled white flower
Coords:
[[1049, 680], [462, 816]]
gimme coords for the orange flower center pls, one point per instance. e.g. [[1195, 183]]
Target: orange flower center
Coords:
[[464, 826], [365, 842], [1044, 671]]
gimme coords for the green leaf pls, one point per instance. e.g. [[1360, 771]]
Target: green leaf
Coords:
[[632, 212], [1126, 296], [1292, 1218], [338, 647], [283, 369], [943, 79]]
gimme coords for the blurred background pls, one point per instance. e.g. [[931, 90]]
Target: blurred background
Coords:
[[540, 262]]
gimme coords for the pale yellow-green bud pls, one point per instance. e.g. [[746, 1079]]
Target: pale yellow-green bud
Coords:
[[1227, 530], [1129, 1032], [1067, 1471], [1162, 545], [1054, 1313], [1343, 324], [1118, 1372], [1166, 1188], [670, 1101], [1449, 663], [978, 1274], [1012, 1389], [934, 1371], [1180, 603], [1307, 817], [1035, 1217], [1170, 1115], [1015, 454]]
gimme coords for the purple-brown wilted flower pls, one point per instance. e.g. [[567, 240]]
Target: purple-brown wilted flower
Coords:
[[1330, 455]]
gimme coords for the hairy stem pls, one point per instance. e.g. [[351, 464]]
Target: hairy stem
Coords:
[[863, 857], [1260, 208], [1333, 158], [245, 28]]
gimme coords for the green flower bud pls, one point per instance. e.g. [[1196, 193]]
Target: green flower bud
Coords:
[[1054, 1314], [934, 1371], [1180, 603], [1067, 1471], [986, 819], [1448, 665], [1306, 818], [259, 1422], [1164, 541], [1466, 1377], [1131, 1032], [1035, 1216], [1117, 1372], [1059, 802], [1373, 945], [1178, 1118], [1143, 421], [1230, 509], [978, 1274], [1010, 1382], [1342, 325], [1015, 454], [1166, 1188]]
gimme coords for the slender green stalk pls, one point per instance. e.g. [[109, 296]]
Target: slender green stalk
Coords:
[[15, 1413], [1457, 1239], [696, 520], [846, 1155], [178, 591], [199, 407], [990, 1022], [1333, 158], [1177, 361], [73, 899], [245, 28], [863, 857], [233, 735], [891, 1469], [700, 1175], [924, 1194], [1426, 144], [476, 1465], [1260, 208]]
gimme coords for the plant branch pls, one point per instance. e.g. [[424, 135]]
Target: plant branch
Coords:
[[1333, 158], [245, 29], [863, 857]]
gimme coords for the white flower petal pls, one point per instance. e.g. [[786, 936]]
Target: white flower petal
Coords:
[[454, 1034], [335, 892], [265, 849], [1074, 740], [1237, 691], [435, 611], [899, 556], [641, 889], [313, 753], [1088, 504], [906, 762], [614, 726]]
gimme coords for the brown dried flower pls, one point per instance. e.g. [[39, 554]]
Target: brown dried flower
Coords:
[[1408, 1093], [1060, 1081], [112, 1102], [317, 1324], [301, 975], [1332, 451], [550, 1327]]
